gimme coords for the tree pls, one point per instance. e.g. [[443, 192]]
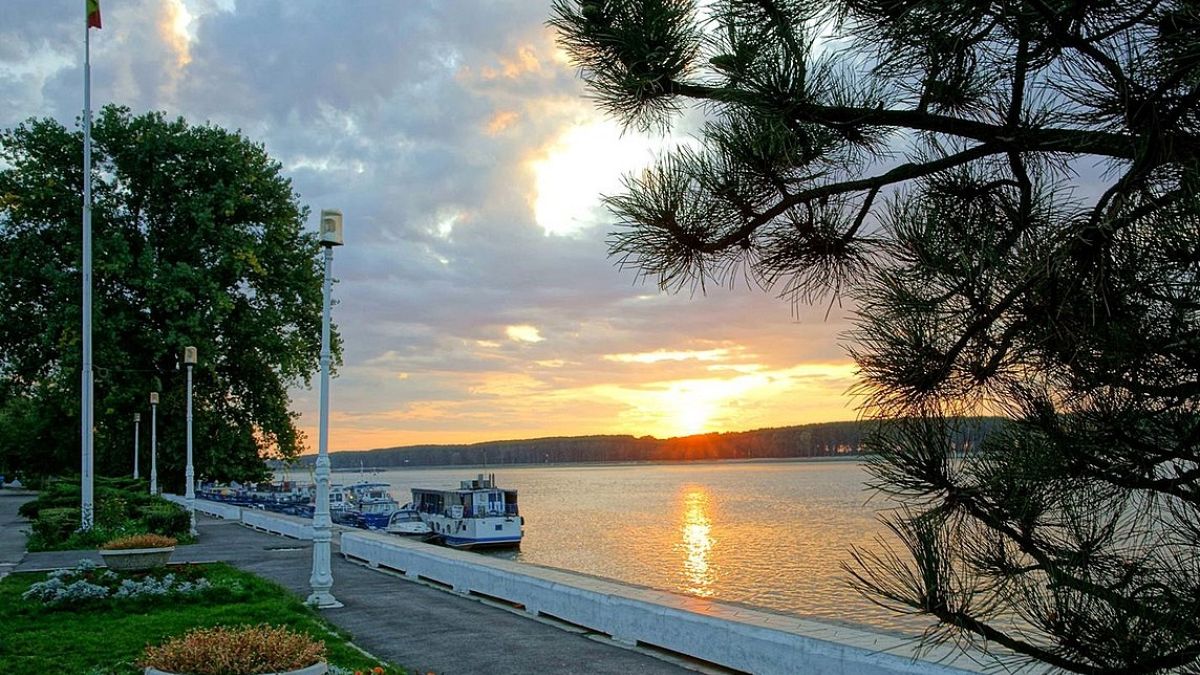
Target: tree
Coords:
[[198, 240], [1007, 196]]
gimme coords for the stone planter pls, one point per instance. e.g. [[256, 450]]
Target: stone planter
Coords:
[[315, 669], [133, 559]]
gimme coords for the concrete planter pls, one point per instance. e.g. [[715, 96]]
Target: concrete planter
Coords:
[[134, 559], [315, 669]]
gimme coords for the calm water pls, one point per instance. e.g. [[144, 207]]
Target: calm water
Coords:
[[766, 534]]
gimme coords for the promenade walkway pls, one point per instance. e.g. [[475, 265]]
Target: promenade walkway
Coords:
[[407, 623], [12, 537]]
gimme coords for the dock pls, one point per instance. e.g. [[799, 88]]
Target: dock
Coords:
[[436, 609]]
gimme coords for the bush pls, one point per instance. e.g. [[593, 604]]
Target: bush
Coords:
[[165, 518], [56, 524], [139, 541], [119, 511], [247, 650]]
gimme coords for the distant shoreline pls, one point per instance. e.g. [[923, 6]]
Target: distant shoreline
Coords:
[[678, 462]]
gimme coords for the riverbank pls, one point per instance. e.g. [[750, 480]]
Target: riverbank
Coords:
[[467, 468], [699, 630], [409, 623]]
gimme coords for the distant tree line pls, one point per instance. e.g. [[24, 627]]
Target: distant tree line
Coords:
[[828, 439]]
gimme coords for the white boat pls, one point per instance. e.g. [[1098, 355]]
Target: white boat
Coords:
[[476, 515], [406, 522]]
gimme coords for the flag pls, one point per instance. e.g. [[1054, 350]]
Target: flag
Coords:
[[93, 13]]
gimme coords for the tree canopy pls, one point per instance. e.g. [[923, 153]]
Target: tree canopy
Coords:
[[1007, 195], [197, 240]]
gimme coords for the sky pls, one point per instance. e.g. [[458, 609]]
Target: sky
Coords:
[[475, 296]]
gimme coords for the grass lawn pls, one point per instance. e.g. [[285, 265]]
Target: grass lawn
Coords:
[[109, 637]]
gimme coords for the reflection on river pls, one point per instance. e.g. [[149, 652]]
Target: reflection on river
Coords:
[[770, 534], [697, 543]]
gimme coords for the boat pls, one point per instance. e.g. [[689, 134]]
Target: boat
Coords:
[[372, 503], [281, 497], [363, 504], [406, 522], [476, 515]]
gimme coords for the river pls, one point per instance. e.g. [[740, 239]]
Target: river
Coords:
[[767, 534]]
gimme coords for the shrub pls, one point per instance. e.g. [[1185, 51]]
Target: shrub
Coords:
[[118, 512], [56, 524], [139, 541], [111, 510], [247, 650], [165, 518]]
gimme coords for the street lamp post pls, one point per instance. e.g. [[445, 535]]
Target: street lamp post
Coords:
[[322, 573], [154, 442], [137, 419], [189, 358]]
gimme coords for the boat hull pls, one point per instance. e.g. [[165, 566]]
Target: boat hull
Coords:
[[473, 533], [477, 544]]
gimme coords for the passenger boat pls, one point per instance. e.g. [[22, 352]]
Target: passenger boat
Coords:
[[372, 503], [406, 522], [476, 515]]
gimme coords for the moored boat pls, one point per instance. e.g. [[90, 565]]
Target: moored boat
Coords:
[[476, 515], [406, 522], [372, 502]]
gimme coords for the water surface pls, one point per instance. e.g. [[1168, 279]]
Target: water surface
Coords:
[[769, 534]]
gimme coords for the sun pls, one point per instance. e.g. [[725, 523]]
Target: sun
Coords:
[[691, 406], [585, 162]]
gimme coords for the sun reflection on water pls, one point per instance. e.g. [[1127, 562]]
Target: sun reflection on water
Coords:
[[697, 543]]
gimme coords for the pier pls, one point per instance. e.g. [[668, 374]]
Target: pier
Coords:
[[432, 608]]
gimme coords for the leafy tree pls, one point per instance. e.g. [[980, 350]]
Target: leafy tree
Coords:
[[197, 240], [1007, 195]]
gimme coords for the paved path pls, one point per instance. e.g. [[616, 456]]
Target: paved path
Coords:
[[407, 623], [12, 529]]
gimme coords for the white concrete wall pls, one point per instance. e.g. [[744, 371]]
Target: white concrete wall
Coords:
[[276, 523], [729, 635], [226, 511]]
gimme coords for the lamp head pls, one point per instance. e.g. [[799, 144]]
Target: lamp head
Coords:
[[330, 233], [154, 398], [137, 417], [189, 355]]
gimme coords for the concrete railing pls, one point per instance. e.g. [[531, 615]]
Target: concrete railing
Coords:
[[217, 509], [732, 636], [275, 523]]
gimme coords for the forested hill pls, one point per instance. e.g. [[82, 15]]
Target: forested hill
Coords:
[[809, 440]]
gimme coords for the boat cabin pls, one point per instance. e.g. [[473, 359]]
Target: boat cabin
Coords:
[[478, 498]]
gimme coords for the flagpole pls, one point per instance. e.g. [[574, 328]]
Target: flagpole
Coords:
[[86, 412]]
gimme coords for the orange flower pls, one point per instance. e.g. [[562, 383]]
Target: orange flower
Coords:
[[378, 670]]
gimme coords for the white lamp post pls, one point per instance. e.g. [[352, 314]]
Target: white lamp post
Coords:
[[154, 442], [189, 358], [137, 419], [322, 573]]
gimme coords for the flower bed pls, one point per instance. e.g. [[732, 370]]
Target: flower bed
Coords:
[[87, 584], [137, 552], [246, 650], [110, 635]]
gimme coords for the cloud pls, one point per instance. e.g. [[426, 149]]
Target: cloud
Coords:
[[523, 334], [475, 296]]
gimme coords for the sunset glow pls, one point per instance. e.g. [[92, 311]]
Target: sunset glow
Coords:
[[475, 297]]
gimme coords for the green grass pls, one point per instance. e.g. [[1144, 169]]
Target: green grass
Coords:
[[109, 638]]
